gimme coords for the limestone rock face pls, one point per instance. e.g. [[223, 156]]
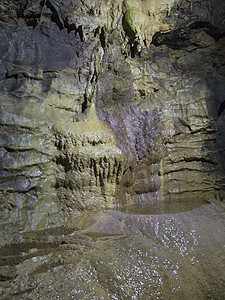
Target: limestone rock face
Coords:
[[109, 104]]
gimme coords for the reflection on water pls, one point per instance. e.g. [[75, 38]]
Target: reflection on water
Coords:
[[165, 207], [114, 255]]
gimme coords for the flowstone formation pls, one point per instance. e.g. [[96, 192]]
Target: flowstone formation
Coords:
[[110, 112], [109, 104]]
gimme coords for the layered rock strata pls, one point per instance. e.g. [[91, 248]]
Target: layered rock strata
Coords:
[[108, 104]]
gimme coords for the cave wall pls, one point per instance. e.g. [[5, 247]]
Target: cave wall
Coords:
[[108, 103]]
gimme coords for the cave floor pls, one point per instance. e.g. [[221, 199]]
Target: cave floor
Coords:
[[116, 255]]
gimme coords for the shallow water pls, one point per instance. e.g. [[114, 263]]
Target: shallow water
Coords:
[[115, 255], [165, 207]]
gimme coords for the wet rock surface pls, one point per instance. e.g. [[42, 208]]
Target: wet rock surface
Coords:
[[115, 105], [113, 255], [99, 110]]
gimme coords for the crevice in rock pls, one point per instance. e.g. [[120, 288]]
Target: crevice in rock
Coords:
[[25, 73], [31, 17], [183, 123], [79, 30], [133, 49], [133, 43], [18, 126], [211, 30], [55, 18], [12, 149], [182, 37], [183, 170], [199, 159], [70, 27], [192, 191], [221, 108], [118, 174], [175, 40], [84, 104], [94, 78], [64, 161], [18, 191], [102, 38]]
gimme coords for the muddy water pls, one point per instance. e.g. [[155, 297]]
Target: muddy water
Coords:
[[115, 255]]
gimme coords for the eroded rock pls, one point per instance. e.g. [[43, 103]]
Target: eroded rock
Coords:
[[89, 120]]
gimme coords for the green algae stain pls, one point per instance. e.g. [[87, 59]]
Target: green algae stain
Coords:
[[179, 53], [130, 18]]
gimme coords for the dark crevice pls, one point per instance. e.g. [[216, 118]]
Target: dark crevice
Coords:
[[21, 127], [80, 32], [221, 108], [182, 37], [94, 77], [175, 40], [183, 123], [84, 104], [72, 27], [23, 73], [93, 165], [18, 191], [20, 13], [102, 38], [64, 161], [200, 159], [96, 32], [133, 49], [11, 149], [119, 170], [55, 16], [34, 21], [131, 36], [200, 24], [101, 180], [31, 18], [211, 30]]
